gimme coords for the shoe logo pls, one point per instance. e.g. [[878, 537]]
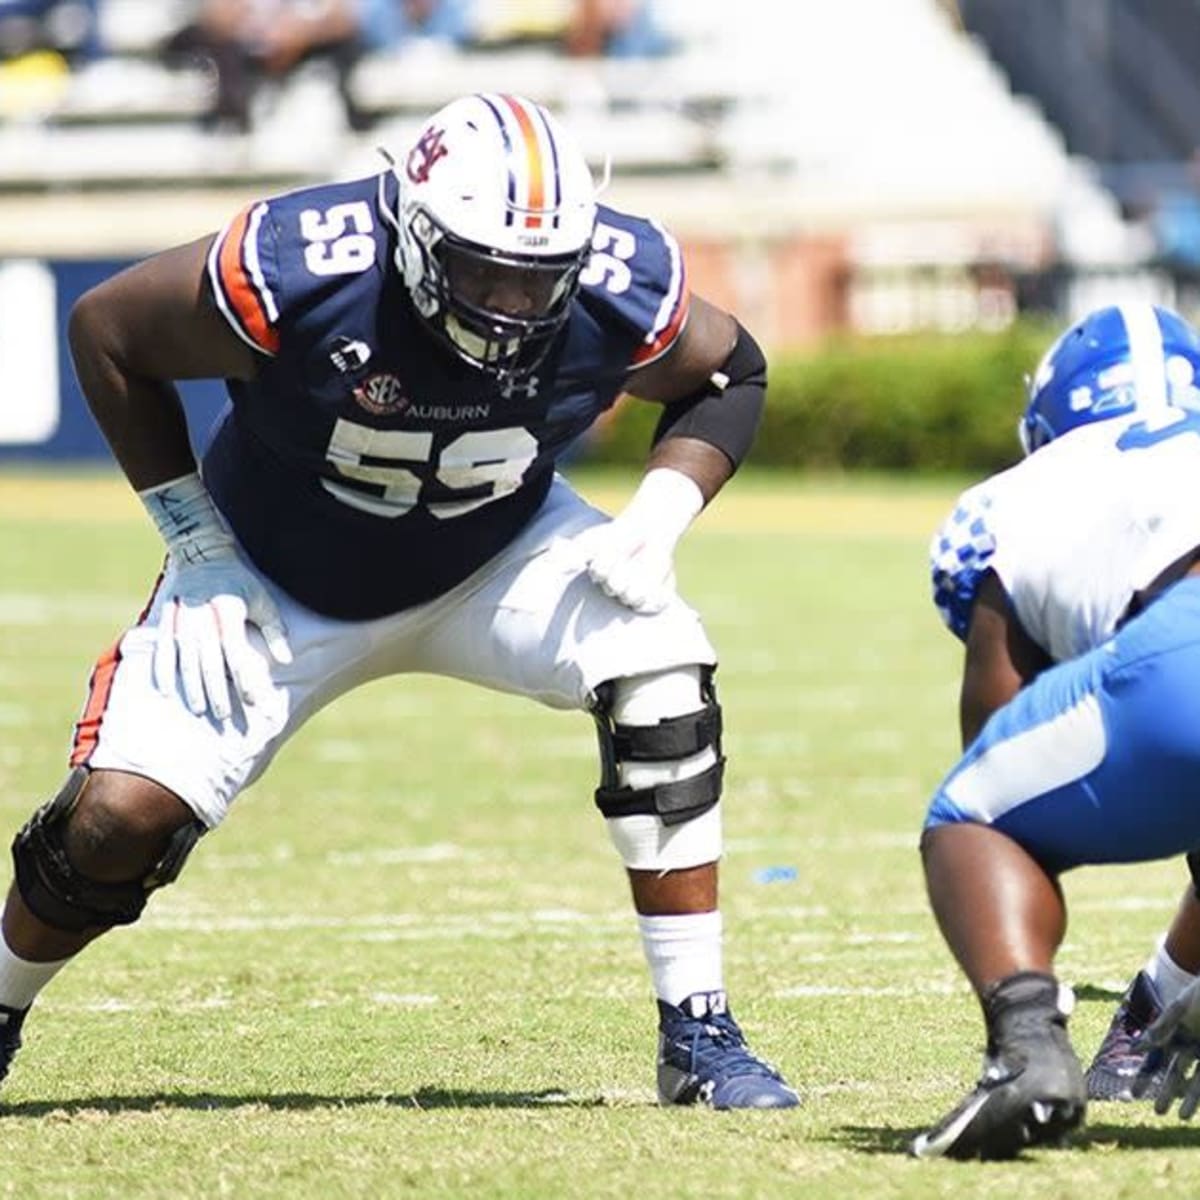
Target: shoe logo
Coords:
[[938, 1141], [706, 1004]]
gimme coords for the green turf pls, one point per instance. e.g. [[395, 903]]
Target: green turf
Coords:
[[407, 966]]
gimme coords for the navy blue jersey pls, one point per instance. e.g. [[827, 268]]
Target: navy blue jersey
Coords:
[[366, 468]]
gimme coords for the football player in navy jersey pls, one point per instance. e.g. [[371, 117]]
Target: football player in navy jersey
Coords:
[[1073, 579], [407, 357]]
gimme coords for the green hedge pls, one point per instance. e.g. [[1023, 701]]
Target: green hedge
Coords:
[[932, 402]]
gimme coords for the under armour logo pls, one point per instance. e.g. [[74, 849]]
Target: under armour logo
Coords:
[[425, 153], [523, 387]]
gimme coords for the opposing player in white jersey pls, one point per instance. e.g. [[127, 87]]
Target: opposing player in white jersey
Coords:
[[408, 355], [1072, 578]]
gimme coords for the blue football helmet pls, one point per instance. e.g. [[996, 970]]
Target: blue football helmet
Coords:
[[1116, 360]]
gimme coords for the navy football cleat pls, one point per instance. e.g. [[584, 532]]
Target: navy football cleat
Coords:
[[1118, 1063], [11, 1020], [1031, 1091], [703, 1058]]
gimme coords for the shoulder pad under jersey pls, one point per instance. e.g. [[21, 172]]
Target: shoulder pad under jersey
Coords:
[[636, 275], [243, 273], [280, 257]]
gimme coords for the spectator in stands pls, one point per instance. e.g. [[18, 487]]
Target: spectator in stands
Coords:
[[614, 28], [580, 28], [1175, 222], [392, 23], [66, 27], [250, 42]]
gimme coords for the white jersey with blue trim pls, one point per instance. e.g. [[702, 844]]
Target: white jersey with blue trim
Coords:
[[1076, 529]]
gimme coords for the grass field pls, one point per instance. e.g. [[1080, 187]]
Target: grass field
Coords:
[[407, 966]]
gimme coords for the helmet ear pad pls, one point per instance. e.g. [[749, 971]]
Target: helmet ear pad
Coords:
[[1116, 360], [493, 189], [415, 263]]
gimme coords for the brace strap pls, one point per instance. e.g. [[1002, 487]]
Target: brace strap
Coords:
[[63, 898], [673, 802]]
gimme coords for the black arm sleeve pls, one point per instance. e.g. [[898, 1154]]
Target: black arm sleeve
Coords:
[[725, 412]]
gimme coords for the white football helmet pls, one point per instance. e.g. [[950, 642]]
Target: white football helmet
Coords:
[[495, 214]]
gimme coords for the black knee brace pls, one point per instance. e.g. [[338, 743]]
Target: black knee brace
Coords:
[[673, 737], [57, 894]]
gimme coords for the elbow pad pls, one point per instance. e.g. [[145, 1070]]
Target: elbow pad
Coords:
[[724, 412]]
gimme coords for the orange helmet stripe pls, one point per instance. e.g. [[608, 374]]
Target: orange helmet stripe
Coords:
[[534, 160]]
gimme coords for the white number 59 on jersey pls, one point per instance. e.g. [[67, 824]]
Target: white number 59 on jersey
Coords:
[[493, 459]]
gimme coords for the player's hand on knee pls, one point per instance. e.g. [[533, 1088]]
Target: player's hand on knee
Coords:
[[202, 636], [625, 565], [210, 596], [1174, 1038], [632, 557]]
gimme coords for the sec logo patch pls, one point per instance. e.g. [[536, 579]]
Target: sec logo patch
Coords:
[[380, 394]]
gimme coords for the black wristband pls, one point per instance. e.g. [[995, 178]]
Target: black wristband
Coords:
[[725, 412]]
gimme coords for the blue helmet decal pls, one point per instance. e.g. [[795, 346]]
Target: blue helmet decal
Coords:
[[1120, 359]]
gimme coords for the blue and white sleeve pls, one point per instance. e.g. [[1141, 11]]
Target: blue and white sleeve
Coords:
[[960, 554]]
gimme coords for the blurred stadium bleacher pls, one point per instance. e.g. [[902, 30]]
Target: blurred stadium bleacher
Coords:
[[864, 163]]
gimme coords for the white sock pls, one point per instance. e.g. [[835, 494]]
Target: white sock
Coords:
[[20, 981], [684, 954], [1168, 977]]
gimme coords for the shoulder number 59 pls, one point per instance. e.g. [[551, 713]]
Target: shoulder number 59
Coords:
[[612, 248], [339, 239]]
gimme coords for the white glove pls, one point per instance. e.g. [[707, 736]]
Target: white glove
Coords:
[[632, 557], [209, 597], [1174, 1038]]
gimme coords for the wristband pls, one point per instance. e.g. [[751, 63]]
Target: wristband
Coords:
[[667, 501], [186, 517]]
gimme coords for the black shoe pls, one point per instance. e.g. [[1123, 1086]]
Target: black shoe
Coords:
[[1117, 1063], [1031, 1090], [11, 1020], [703, 1057]]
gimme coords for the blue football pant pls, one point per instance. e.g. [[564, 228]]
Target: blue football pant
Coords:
[[1098, 759]]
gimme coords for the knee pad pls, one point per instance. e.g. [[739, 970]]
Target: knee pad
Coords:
[[58, 895], [661, 767]]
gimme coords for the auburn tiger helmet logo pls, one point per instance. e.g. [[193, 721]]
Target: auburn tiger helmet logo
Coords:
[[430, 147]]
